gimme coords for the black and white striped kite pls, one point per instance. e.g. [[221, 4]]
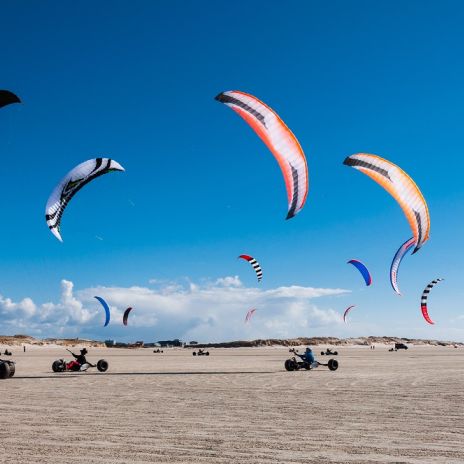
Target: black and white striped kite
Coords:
[[255, 264], [425, 295]]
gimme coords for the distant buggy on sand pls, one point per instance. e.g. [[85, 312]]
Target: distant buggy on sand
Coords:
[[7, 369], [201, 353], [329, 352]]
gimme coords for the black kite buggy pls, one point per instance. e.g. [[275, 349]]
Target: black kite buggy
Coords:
[[201, 353], [60, 365], [293, 364], [7, 369], [329, 352]]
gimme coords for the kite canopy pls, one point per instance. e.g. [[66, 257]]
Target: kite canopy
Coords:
[[255, 264], [7, 98], [106, 308], [71, 184], [280, 141], [401, 187], [362, 269], [249, 315], [400, 254], [126, 315], [347, 310], [425, 295]]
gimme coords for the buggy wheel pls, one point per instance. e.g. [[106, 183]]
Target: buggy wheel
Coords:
[[290, 365], [332, 364], [322, 353], [207, 353], [194, 353], [102, 365], [58, 366], [335, 353], [4, 370], [12, 369]]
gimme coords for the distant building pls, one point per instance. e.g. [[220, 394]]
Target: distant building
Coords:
[[193, 342], [109, 343], [166, 343]]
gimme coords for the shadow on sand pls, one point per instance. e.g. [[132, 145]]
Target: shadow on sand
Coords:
[[73, 375]]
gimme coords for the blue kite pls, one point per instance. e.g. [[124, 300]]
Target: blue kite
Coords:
[[362, 269], [106, 308]]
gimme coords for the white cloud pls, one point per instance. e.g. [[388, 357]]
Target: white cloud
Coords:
[[229, 282], [26, 307], [208, 311]]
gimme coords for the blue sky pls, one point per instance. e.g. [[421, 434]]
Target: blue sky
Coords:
[[136, 81]]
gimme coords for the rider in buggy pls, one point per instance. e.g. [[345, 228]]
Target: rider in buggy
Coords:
[[79, 361], [308, 357]]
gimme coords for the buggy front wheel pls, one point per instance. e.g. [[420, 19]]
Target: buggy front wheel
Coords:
[[102, 365]]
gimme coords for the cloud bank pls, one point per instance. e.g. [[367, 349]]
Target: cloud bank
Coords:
[[205, 311]]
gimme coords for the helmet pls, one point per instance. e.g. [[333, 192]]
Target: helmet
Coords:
[[84, 351], [308, 349]]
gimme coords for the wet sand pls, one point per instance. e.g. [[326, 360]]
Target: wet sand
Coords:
[[235, 406]]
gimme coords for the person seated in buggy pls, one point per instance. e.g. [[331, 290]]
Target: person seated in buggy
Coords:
[[308, 357], [79, 361]]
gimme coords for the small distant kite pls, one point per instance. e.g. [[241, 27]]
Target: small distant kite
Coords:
[[249, 315], [280, 141], [347, 310], [400, 254], [126, 315], [362, 269], [106, 308], [425, 295], [401, 187], [255, 264], [7, 98]]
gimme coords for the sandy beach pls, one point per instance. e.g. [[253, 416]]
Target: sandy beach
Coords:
[[237, 405]]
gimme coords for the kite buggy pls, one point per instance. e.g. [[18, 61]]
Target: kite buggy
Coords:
[[79, 364], [7, 369], [329, 352], [201, 353], [308, 363]]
